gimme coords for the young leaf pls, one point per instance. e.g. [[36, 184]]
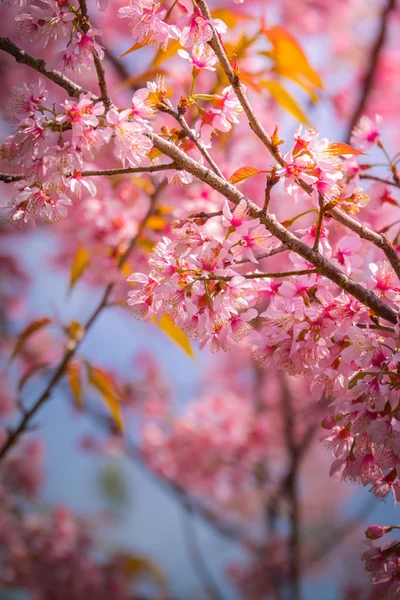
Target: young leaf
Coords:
[[290, 60], [156, 223], [137, 566], [230, 18], [244, 173], [176, 334], [145, 42], [30, 373], [81, 261], [340, 148], [27, 332], [285, 100], [105, 386], [74, 374]]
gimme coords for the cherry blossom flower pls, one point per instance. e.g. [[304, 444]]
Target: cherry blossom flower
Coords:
[[367, 132], [203, 57]]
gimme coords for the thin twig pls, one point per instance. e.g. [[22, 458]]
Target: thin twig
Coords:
[[130, 170], [14, 434], [167, 108], [320, 222], [9, 178], [375, 178], [196, 555], [101, 76], [272, 180], [323, 265], [372, 66], [258, 129], [39, 65], [292, 490], [280, 274], [338, 536], [234, 80]]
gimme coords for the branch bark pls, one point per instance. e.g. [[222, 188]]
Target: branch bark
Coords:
[[372, 62], [287, 238], [38, 64], [22, 426]]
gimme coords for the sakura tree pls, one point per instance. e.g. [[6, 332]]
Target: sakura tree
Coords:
[[199, 169]]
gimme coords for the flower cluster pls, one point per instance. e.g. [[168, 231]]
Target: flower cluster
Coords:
[[51, 147]]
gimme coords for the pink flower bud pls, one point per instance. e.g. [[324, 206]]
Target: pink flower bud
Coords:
[[328, 422], [374, 532]]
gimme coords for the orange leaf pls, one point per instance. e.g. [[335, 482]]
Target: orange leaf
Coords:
[[27, 332], [230, 18], [147, 40], [80, 263], [30, 373], [290, 60], [244, 173], [74, 374], [340, 148], [175, 333], [156, 222], [285, 100], [163, 55], [106, 388]]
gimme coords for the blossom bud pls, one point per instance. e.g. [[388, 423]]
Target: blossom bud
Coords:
[[328, 422], [374, 532]]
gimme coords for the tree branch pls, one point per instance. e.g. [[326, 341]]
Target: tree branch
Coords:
[[292, 491], [324, 266], [260, 132], [14, 434], [196, 555], [38, 64], [372, 62], [101, 76], [375, 178]]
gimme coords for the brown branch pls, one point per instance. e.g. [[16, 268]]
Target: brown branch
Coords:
[[38, 64], [130, 170], [258, 129], [291, 489], [372, 62], [378, 239], [280, 274], [228, 530], [167, 108], [338, 536], [385, 181], [234, 80], [14, 434], [196, 555], [324, 266], [9, 178], [101, 76], [320, 222]]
